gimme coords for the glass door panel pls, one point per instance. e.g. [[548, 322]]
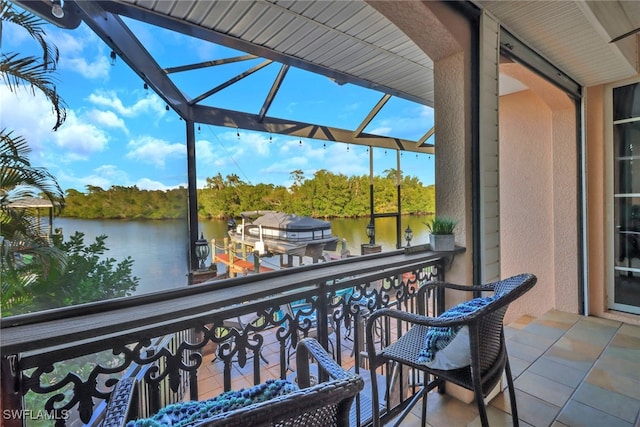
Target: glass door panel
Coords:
[[624, 294]]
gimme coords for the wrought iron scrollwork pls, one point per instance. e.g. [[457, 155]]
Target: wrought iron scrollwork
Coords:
[[174, 360]]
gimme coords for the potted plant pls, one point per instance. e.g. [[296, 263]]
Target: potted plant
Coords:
[[441, 235]]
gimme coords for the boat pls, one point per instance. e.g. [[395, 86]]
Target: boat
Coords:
[[277, 233]]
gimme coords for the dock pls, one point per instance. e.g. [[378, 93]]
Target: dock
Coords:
[[226, 254], [239, 265]]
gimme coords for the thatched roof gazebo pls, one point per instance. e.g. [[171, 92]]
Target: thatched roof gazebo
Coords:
[[37, 204]]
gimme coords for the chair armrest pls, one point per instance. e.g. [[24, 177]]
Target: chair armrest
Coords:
[[446, 285], [486, 287], [423, 291], [120, 401], [310, 347], [418, 319]]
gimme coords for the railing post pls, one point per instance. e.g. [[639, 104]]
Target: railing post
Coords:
[[193, 385], [153, 390], [323, 330], [439, 296], [11, 408]]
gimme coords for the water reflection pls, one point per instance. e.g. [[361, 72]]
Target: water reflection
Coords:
[[160, 248]]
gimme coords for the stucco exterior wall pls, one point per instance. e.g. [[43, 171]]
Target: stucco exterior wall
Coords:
[[453, 165], [596, 216], [526, 197], [448, 44], [566, 187], [540, 185]]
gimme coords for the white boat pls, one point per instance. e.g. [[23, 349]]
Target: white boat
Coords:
[[272, 233]]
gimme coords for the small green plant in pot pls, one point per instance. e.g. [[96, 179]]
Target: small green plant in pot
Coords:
[[441, 235]]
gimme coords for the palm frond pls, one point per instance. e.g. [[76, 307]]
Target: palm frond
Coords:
[[19, 72], [35, 27], [16, 146], [18, 179]]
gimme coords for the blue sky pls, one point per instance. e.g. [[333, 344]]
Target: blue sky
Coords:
[[118, 133]]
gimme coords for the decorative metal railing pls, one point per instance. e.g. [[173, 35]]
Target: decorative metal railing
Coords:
[[231, 322]]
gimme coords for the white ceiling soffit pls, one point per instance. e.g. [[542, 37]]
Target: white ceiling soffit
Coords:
[[348, 41], [576, 35], [510, 85]]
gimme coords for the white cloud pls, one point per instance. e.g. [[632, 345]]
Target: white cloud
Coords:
[[382, 130], [96, 69], [205, 50], [228, 149], [291, 147], [107, 118], [426, 112], [12, 36], [148, 184], [34, 120], [69, 43], [108, 175], [256, 143], [411, 123], [314, 155], [112, 172], [292, 156], [110, 99], [82, 52], [28, 116], [103, 176], [154, 151], [351, 107], [81, 140], [352, 162], [282, 169], [205, 152]]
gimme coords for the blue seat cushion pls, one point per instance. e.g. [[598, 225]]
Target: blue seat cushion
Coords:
[[448, 347], [190, 413]]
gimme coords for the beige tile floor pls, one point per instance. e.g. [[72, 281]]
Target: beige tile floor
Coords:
[[569, 370]]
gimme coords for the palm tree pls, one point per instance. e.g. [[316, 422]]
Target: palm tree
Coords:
[[31, 72], [20, 180], [19, 235]]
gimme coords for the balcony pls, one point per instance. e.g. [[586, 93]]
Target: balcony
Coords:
[[194, 343], [66, 361]]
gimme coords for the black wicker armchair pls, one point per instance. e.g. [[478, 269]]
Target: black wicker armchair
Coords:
[[485, 362], [312, 402]]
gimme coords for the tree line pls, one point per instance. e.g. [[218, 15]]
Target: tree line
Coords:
[[324, 195]]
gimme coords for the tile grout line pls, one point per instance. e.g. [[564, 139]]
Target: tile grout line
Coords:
[[575, 390], [573, 324]]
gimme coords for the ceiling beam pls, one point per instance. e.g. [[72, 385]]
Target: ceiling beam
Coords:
[[101, 18], [372, 114], [149, 16], [206, 64], [69, 21], [239, 120], [272, 92], [423, 141], [230, 82], [115, 33]]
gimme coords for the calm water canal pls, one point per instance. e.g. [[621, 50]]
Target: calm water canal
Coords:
[[159, 248]]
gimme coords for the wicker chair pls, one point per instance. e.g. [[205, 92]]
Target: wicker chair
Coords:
[[488, 352], [324, 403]]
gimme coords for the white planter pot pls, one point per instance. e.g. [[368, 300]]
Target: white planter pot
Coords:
[[442, 242]]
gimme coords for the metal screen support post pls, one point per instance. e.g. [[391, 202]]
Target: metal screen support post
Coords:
[[11, 395]]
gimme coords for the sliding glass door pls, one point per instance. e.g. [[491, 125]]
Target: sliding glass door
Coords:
[[624, 292]]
